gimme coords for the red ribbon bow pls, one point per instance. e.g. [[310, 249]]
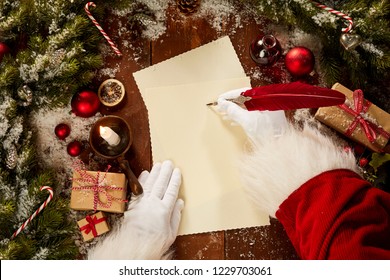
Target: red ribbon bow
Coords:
[[91, 226], [361, 107], [95, 184]]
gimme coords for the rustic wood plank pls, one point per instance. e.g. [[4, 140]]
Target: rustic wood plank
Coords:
[[259, 243], [203, 246], [183, 34]]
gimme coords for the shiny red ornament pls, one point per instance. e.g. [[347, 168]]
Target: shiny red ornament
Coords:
[[4, 49], [74, 148], [62, 131], [363, 162], [299, 61], [85, 104]]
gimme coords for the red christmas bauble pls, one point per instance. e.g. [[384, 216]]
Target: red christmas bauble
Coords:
[[299, 61], [4, 49], [85, 104], [62, 131], [74, 148], [363, 162]]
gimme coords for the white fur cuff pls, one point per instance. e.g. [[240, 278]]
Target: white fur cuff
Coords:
[[125, 244], [277, 167]]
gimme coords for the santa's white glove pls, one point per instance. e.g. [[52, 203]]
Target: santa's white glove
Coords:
[[258, 125], [152, 220], [158, 211]]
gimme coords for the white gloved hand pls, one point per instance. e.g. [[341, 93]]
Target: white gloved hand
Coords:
[[258, 125], [151, 223], [158, 211]]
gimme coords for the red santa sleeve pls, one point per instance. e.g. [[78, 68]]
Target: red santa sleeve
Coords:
[[338, 215]]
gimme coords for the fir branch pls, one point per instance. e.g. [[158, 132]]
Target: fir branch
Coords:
[[23, 249], [9, 73], [44, 179], [91, 61], [71, 30], [7, 211], [14, 20], [331, 66], [11, 111], [55, 50]]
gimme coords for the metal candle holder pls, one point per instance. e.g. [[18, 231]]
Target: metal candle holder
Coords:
[[104, 150]]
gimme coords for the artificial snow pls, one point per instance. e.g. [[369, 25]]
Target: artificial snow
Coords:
[[51, 151], [325, 18], [156, 28], [4, 124], [369, 47], [107, 72], [41, 254], [217, 11]]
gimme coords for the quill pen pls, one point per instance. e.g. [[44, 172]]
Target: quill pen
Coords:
[[295, 95]]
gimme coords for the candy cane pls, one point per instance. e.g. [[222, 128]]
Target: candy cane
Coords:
[[338, 13], [50, 190], [112, 44]]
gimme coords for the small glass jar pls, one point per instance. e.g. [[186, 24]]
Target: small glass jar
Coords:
[[265, 50]]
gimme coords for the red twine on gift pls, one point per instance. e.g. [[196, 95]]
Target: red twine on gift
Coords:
[[91, 226], [96, 185], [361, 107]]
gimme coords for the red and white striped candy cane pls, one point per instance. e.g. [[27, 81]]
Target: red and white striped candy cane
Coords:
[[338, 13], [50, 190], [112, 44]]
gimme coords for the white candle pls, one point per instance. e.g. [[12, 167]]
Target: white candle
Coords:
[[109, 135]]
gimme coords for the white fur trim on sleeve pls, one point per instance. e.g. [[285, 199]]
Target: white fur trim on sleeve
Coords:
[[276, 167], [125, 244]]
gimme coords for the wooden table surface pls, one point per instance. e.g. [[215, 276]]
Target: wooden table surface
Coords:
[[185, 33]]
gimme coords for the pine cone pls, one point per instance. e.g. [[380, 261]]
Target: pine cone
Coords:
[[25, 95], [188, 6]]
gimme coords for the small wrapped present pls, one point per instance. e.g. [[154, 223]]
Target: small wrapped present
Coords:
[[94, 190], [358, 119], [93, 226]]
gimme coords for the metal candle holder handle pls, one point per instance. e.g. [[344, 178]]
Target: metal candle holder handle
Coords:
[[104, 150]]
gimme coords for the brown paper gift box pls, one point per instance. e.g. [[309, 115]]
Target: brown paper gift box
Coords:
[[113, 186], [96, 225], [340, 120]]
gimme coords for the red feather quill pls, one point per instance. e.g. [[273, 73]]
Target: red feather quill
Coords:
[[295, 95]]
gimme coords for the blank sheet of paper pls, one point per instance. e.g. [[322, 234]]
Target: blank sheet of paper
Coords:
[[206, 148], [216, 60]]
